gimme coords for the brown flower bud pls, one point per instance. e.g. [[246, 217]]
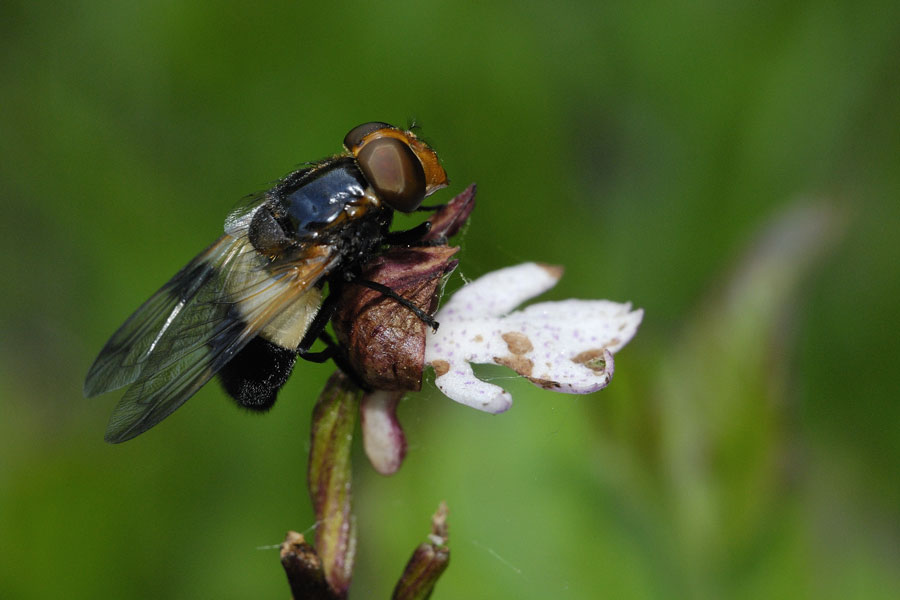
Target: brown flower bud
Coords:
[[384, 340], [427, 563], [304, 569]]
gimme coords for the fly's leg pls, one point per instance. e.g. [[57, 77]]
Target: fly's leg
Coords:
[[420, 314], [333, 350], [408, 237]]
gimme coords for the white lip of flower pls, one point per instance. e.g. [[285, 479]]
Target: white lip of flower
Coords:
[[564, 346]]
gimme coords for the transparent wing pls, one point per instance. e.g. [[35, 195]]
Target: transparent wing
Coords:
[[194, 325], [239, 216], [127, 352]]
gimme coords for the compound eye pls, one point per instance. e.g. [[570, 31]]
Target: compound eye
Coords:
[[394, 171], [356, 135]]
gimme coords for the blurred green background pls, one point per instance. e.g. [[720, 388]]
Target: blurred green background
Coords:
[[732, 168]]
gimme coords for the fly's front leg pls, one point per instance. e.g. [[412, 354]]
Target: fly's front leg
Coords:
[[420, 314], [408, 237]]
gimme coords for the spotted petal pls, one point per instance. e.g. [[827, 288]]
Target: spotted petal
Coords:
[[565, 346]]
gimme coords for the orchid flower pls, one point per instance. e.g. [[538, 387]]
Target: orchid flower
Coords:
[[564, 346]]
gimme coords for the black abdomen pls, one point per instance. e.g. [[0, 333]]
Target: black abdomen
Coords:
[[256, 373]]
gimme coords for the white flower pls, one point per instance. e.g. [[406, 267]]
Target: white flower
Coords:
[[564, 346]]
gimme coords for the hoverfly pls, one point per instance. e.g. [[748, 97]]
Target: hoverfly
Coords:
[[248, 305]]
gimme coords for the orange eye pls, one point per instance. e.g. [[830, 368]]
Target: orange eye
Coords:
[[394, 171]]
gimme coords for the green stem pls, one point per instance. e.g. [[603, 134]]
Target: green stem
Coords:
[[329, 477]]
